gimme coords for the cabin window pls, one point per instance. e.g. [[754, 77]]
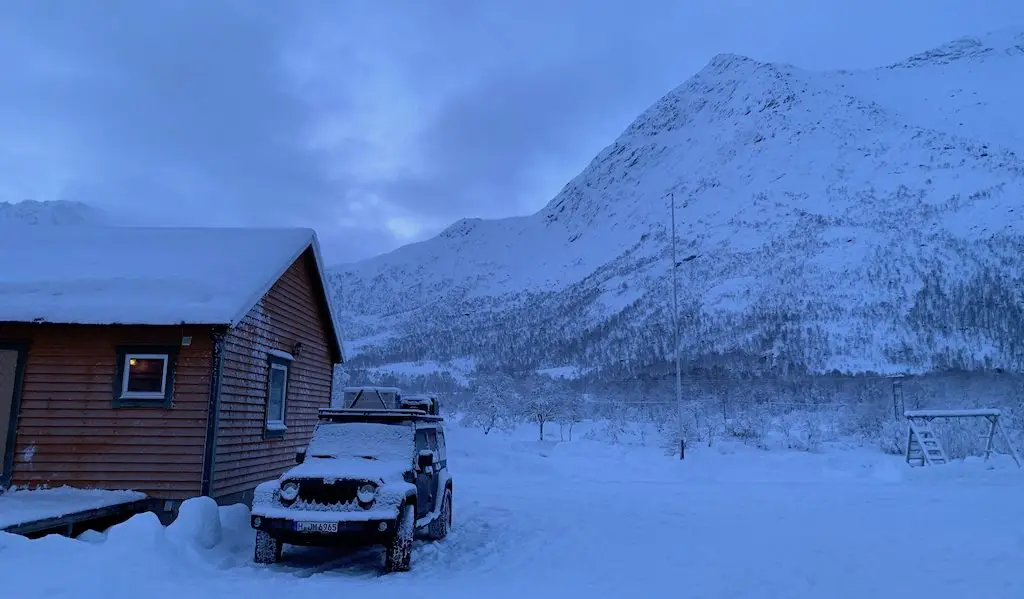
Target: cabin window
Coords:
[[145, 377], [277, 395]]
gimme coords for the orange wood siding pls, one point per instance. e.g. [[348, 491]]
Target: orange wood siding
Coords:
[[287, 314], [69, 433]]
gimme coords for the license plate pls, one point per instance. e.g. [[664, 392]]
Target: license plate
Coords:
[[316, 527]]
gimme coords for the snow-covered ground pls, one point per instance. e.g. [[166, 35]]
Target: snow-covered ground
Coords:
[[598, 520]]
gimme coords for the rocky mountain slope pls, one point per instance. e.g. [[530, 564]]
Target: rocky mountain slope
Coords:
[[859, 221]]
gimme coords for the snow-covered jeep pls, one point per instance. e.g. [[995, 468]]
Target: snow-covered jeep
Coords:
[[367, 477]]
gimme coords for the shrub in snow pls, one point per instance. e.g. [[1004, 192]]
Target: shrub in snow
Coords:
[[702, 426], [813, 433], [198, 523], [618, 431], [802, 430], [787, 426], [751, 426], [892, 436], [1012, 421], [865, 419], [962, 437], [607, 431]]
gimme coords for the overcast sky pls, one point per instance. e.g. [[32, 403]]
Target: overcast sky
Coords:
[[376, 122]]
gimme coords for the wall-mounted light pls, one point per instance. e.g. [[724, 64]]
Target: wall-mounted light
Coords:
[[297, 349]]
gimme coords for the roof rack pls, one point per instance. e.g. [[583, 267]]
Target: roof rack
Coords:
[[355, 388], [340, 414]]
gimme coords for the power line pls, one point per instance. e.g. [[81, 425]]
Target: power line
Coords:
[[662, 402]]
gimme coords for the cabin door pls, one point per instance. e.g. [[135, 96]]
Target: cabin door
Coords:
[[10, 383]]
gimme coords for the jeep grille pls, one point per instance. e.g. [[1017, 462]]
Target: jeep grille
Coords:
[[318, 491]]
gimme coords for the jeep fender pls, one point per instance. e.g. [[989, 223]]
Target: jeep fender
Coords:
[[444, 481]]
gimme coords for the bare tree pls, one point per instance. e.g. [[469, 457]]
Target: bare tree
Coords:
[[571, 412], [493, 404], [540, 401]]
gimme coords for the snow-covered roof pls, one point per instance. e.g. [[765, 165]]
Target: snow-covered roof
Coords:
[[146, 275], [23, 507]]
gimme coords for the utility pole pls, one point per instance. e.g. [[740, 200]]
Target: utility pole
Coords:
[[675, 330]]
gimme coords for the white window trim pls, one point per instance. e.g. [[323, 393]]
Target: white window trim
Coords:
[[126, 369], [281, 354], [277, 424]]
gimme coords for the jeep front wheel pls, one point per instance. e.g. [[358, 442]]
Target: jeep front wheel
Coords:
[[398, 554], [439, 527], [268, 549]]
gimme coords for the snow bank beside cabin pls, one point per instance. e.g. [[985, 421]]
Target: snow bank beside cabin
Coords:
[[204, 535], [198, 524]]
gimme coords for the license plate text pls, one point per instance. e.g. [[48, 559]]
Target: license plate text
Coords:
[[316, 527]]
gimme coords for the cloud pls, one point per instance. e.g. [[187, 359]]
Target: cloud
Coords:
[[168, 111], [501, 105], [381, 123]]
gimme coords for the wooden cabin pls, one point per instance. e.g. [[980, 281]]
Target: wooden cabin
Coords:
[[172, 361]]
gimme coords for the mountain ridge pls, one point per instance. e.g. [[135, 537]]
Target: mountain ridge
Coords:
[[819, 205], [50, 212]]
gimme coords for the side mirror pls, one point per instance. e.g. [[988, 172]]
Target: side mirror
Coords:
[[425, 459], [300, 456]]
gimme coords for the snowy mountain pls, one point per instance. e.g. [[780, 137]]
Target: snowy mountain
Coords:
[[852, 221], [55, 212]]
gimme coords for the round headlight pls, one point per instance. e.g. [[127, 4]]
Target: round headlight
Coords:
[[289, 491], [367, 493]]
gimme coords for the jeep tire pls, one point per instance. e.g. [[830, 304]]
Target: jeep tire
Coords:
[[398, 553], [439, 527], [268, 549]]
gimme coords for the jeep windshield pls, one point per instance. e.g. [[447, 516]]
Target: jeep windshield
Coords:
[[363, 440]]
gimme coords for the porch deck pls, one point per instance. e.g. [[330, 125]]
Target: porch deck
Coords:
[[66, 510]]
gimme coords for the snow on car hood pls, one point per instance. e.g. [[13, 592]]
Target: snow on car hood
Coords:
[[331, 469]]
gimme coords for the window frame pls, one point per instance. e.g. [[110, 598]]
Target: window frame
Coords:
[[122, 398], [421, 442], [273, 428], [442, 445]]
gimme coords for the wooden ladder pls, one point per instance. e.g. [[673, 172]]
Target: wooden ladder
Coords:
[[923, 446]]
